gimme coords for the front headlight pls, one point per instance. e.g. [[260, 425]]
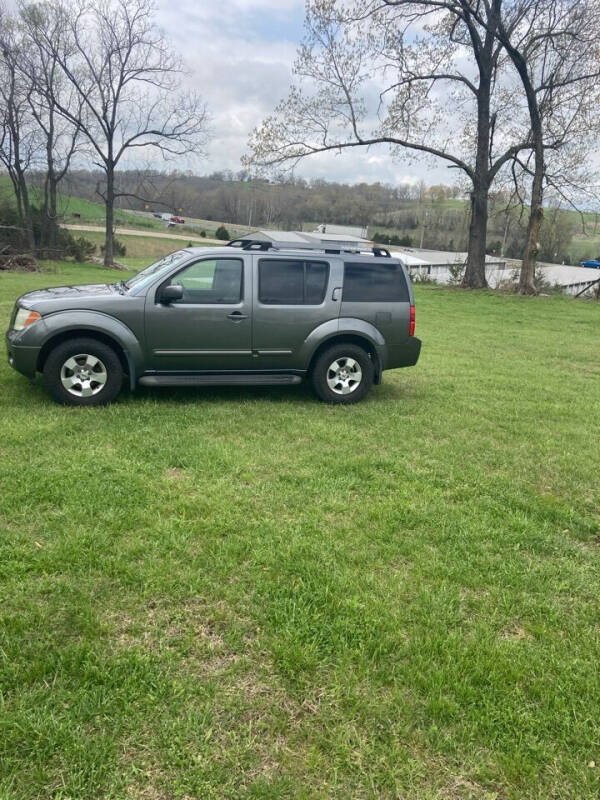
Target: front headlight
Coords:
[[24, 318]]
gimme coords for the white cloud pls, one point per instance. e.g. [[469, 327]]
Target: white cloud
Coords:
[[240, 55]]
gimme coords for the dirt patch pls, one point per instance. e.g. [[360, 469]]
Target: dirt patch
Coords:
[[463, 789], [174, 474], [515, 634]]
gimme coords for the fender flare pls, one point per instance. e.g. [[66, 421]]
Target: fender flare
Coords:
[[334, 328], [64, 321]]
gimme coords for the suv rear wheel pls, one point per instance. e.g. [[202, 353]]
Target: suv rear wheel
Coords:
[[342, 374], [83, 372]]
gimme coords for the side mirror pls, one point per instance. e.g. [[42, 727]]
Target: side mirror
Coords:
[[171, 293]]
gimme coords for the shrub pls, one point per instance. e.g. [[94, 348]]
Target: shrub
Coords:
[[203, 234], [456, 273], [222, 233], [80, 248], [119, 249]]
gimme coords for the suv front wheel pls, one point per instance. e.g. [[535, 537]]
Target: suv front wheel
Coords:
[[83, 372], [342, 374]]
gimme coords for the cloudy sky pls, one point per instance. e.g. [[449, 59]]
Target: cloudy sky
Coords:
[[240, 55]]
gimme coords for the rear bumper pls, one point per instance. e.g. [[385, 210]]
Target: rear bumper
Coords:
[[403, 355], [23, 359]]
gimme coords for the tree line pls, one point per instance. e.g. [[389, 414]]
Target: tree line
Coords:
[[83, 81], [407, 214], [504, 92]]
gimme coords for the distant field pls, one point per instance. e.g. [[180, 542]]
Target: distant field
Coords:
[[137, 246], [585, 246]]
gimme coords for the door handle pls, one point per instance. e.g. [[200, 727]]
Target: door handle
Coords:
[[237, 316], [335, 295]]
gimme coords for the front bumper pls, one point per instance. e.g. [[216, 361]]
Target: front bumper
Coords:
[[23, 359]]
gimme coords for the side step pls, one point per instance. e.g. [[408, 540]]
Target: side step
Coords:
[[219, 380]]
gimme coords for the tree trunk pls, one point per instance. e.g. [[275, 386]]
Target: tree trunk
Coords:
[[49, 215], [53, 213], [536, 216], [109, 201], [474, 277], [27, 216], [527, 274], [526, 278]]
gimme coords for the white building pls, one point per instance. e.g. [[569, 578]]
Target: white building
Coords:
[[315, 239]]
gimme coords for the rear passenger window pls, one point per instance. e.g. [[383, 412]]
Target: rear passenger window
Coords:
[[374, 283], [292, 282]]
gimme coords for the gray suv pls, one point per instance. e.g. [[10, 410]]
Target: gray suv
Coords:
[[245, 314]]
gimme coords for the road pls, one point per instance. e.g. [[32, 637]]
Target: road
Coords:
[[153, 234]]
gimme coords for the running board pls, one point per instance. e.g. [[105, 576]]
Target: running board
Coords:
[[219, 380]]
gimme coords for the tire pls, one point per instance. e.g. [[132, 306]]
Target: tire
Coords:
[[83, 372], [342, 374]]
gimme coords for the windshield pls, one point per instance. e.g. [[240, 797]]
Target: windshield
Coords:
[[163, 265]]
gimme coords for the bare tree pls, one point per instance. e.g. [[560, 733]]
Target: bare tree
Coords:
[[18, 144], [553, 46], [434, 71], [127, 79], [49, 86]]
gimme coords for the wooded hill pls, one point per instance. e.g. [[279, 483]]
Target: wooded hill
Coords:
[[434, 217]]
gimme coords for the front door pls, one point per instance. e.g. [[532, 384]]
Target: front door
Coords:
[[210, 328]]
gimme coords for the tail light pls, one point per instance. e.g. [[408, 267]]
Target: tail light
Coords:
[[411, 326]]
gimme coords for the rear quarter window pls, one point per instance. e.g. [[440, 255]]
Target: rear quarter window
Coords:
[[374, 283]]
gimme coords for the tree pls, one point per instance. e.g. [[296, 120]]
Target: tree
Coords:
[[126, 77], [18, 143], [553, 46], [429, 100], [60, 135]]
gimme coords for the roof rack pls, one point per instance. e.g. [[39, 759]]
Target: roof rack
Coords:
[[263, 246]]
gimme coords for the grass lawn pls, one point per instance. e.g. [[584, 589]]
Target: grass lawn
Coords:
[[242, 593]]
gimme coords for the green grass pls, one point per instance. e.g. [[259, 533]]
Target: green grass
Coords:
[[247, 594], [140, 247], [78, 211], [584, 246]]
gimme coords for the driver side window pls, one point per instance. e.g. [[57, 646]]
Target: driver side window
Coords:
[[214, 280]]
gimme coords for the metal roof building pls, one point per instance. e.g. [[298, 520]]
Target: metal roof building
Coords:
[[316, 239]]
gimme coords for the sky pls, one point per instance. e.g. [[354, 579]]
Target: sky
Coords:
[[240, 54]]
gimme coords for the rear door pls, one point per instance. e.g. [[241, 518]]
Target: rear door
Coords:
[[378, 292], [292, 296]]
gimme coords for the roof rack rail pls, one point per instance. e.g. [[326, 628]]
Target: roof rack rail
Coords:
[[251, 244], [263, 246], [381, 252]]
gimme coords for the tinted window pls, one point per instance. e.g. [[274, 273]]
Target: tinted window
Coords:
[[374, 283], [216, 280], [288, 282], [315, 281]]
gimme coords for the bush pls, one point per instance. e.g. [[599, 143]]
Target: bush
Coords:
[[80, 248], [203, 234], [222, 233], [119, 249], [394, 240]]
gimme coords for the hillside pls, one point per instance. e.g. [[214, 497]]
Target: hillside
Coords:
[[435, 217]]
